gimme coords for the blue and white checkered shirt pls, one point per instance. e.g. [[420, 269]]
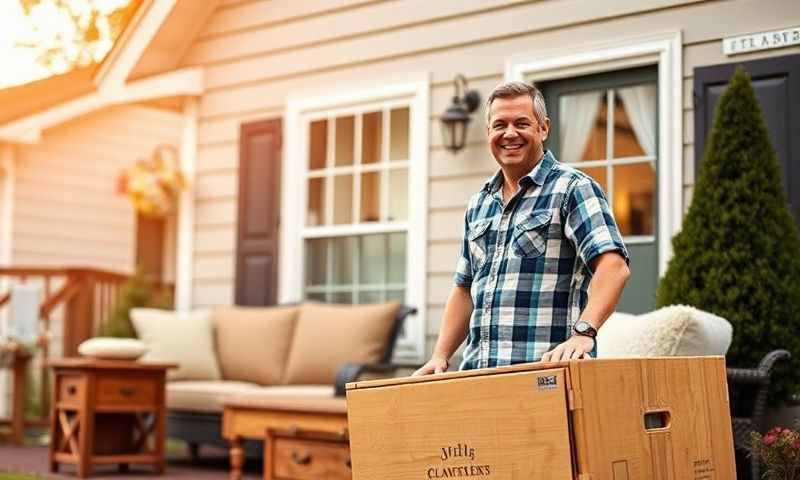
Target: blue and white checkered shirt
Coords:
[[527, 263]]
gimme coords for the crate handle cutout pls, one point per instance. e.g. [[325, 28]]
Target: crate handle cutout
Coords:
[[656, 420]]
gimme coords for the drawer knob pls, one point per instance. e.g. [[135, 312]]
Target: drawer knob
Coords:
[[127, 391], [348, 463], [301, 458], [72, 390]]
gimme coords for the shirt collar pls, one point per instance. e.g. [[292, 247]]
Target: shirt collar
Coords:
[[537, 175]]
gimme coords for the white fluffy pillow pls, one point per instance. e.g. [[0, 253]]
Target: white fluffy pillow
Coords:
[[185, 338], [677, 330], [112, 348]]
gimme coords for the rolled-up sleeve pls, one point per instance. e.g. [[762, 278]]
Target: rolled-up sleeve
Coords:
[[590, 225], [463, 275]]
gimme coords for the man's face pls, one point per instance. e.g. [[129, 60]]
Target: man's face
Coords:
[[515, 136]]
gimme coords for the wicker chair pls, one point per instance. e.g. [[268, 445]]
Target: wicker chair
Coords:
[[748, 394]]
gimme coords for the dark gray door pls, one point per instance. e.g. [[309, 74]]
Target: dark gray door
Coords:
[[776, 82], [606, 125], [259, 213]]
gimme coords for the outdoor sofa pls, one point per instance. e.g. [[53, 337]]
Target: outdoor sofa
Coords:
[[305, 350]]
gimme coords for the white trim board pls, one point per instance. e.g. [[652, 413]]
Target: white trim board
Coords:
[[299, 110], [185, 228], [186, 81], [663, 50]]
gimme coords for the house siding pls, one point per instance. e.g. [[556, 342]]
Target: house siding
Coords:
[[258, 53], [66, 210]]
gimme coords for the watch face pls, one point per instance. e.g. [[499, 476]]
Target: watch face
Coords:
[[585, 328], [581, 327]]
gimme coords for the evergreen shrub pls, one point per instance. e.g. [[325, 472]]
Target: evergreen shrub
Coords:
[[738, 252]]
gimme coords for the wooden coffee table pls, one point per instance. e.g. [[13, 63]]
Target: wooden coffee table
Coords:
[[252, 416], [107, 412]]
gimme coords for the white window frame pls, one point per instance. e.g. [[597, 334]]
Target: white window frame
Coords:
[[663, 50], [294, 198]]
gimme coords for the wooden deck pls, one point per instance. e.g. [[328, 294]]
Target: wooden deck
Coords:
[[213, 464]]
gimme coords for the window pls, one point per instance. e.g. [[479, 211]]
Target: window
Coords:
[[610, 133], [355, 197], [356, 176]]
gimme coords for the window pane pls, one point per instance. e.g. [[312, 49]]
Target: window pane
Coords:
[[316, 261], [397, 258], [342, 261], [370, 297], [398, 195], [635, 121], [371, 133], [634, 187], [370, 196], [399, 136], [342, 297], [600, 174], [316, 297], [345, 140], [397, 295], [316, 202], [343, 199], [372, 259], [317, 144], [582, 126]]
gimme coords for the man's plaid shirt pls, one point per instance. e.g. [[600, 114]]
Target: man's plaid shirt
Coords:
[[527, 264]]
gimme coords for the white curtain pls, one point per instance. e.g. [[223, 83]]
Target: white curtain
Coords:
[[640, 104], [578, 114]]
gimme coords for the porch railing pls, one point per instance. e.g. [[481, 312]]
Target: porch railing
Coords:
[[80, 298]]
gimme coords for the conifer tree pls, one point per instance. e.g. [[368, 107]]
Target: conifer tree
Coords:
[[738, 252]]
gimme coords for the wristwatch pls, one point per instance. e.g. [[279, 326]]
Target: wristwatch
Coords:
[[585, 329]]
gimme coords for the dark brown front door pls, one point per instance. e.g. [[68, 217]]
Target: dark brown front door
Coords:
[[777, 85], [259, 213]]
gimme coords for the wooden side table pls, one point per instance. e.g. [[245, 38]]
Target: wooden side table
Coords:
[[107, 412], [18, 362]]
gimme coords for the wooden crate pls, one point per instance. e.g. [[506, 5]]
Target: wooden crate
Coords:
[[601, 419]]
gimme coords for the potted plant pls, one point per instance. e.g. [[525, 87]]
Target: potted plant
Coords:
[[778, 451]]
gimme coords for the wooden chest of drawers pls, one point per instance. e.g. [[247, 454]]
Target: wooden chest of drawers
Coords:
[[299, 455]]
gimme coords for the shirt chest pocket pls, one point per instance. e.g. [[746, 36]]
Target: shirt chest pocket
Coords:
[[530, 235], [478, 238]]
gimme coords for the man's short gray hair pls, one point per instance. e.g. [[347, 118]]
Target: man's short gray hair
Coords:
[[517, 89]]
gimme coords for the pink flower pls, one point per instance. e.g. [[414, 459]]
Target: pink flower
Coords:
[[796, 445], [769, 439]]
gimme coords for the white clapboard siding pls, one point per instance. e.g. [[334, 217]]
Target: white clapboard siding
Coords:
[[259, 53], [66, 208]]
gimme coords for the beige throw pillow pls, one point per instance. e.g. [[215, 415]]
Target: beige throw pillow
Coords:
[[328, 336], [676, 330], [184, 338], [253, 342]]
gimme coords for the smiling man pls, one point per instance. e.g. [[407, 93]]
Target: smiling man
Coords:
[[542, 261]]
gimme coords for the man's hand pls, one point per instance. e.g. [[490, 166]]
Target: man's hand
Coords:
[[577, 347], [434, 365]]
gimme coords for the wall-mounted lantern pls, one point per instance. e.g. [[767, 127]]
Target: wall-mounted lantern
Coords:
[[456, 118]]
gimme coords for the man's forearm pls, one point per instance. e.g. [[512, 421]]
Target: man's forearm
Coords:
[[455, 323], [610, 274]]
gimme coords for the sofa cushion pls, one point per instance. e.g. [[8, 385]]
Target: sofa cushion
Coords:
[[184, 338], [328, 336], [204, 396], [112, 348], [253, 343], [669, 331]]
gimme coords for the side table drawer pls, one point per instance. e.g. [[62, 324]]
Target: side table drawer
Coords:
[[71, 391], [112, 392], [298, 459]]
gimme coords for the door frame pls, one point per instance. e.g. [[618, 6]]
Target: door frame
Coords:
[[663, 50]]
